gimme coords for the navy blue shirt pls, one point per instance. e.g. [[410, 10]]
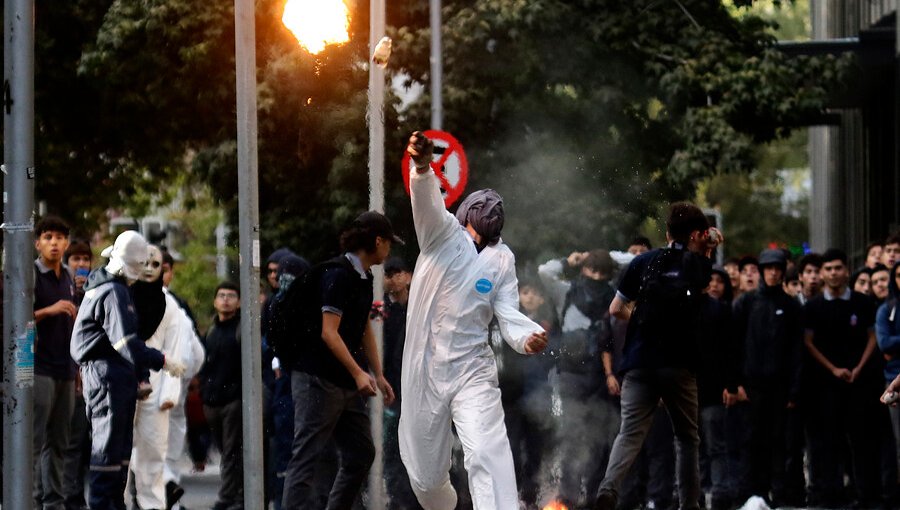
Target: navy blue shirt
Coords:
[[678, 347], [345, 291], [51, 348], [840, 327]]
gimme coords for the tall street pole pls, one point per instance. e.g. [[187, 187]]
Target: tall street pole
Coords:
[[375, 116], [437, 67], [18, 265], [248, 209]]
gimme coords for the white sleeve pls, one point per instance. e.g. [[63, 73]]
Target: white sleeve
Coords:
[[198, 356], [177, 344], [550, 273], [514, 325], [432, 220]]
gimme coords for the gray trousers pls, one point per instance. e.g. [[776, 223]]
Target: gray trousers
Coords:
[[54, 400], [641, 391], [226, 427], [323, 411]]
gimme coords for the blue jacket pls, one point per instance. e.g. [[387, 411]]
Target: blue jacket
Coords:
[[106, 326], [887, 327]]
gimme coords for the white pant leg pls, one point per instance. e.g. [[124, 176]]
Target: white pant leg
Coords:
[[478, 416], [426, 442], [177, 437], [151, 440]]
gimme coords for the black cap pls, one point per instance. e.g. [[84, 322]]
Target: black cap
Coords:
[[772, 257], [378, 224], [747, 260]]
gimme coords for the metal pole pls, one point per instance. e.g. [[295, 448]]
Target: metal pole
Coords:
[[18, 270], [375, 116], [248, 208], [437, 68]]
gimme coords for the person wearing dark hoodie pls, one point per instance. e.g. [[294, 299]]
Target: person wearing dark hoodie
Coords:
[[716, 382], [281, 406], [105, 342], [770, 335], [586, 335]]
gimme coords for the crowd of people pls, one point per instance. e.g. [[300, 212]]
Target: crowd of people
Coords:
[[626, 379], [790, 356]]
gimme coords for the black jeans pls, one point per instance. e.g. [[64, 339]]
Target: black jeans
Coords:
[[227, 430], [843, 414], [768, 441], [322, 411]]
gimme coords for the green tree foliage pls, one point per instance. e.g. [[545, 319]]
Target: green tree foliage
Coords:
[[585, 114], [593, 112]]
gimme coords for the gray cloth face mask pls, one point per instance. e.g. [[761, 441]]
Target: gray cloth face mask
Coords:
[[483, 209]]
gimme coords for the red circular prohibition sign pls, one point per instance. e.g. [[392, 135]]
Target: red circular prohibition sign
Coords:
[[449, 164]]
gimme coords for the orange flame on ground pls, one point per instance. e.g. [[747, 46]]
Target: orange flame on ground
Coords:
[[317, 23], [555, 505]]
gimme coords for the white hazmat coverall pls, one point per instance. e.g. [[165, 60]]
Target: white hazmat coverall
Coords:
[[449, 373], [193, 355], [151, 424]]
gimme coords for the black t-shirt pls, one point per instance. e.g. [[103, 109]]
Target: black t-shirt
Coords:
[[51, 349], [840, 329], [343, 291], [678, 346]]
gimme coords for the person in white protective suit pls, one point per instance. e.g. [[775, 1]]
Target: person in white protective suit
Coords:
[[465, 277], [193, 355], [165, 327]]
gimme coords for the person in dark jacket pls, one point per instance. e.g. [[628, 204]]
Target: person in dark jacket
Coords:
[[290, 268], [715, 381], [397, 277], [887, 333], [582, 305], [769, 333], [220, 387], [106, 344], [662, 348]]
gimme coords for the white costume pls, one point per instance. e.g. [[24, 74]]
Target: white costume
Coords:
[[449, 372], [173, 336], [193, 355]]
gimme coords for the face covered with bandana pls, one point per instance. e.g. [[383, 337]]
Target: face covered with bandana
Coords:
[[482, 211], [153, 268]]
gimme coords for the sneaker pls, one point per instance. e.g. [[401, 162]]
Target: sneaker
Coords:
[[606, 500]]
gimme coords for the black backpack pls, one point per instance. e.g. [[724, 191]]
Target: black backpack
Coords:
[[671, 294], [295, 314]]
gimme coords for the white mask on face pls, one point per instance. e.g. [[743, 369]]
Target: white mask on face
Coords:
[[128, 256], [153, 268]]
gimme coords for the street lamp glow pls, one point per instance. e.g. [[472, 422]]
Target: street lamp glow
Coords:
[[317, 23]]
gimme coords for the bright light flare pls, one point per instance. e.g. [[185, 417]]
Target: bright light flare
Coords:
[[555, 505], [317, 23]]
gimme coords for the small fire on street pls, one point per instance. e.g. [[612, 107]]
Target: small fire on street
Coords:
[[317, 23], [555, 505]]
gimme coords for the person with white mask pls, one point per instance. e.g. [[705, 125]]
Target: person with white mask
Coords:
[[164, 326], [465, 278], [105, 342]]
